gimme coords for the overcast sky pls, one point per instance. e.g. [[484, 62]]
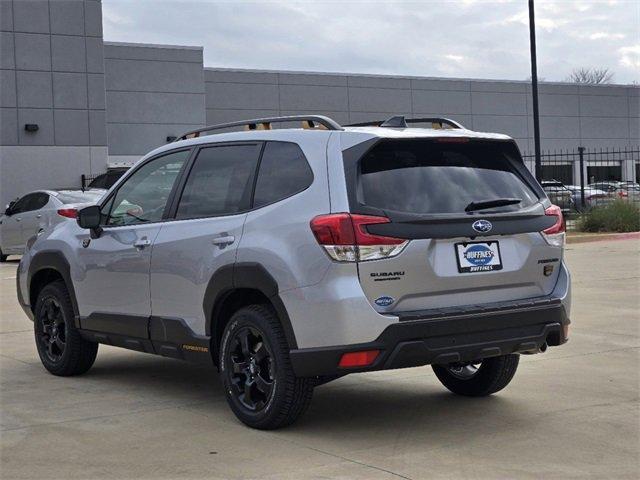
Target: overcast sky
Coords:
[[462, 38]]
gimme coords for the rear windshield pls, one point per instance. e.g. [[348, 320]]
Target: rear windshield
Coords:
[[430, 177]]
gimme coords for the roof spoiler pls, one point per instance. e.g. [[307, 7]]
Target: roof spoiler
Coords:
[[400, 121]]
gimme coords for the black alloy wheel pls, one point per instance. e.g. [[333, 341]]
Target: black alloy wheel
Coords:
[[251, 369], [52, 331], [61, 348], [258, 380]]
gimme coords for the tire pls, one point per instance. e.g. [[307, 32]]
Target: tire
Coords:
[[62, 350], [3, 257], [491, 376], [256, 371]]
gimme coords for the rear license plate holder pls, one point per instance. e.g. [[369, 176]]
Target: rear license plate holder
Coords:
[[473, 257]]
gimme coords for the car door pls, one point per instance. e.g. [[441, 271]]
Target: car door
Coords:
[[34, 218], [205, 231], [113, 286], [12, 225]]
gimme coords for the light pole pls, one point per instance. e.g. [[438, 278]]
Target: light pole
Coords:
[[534, 91]]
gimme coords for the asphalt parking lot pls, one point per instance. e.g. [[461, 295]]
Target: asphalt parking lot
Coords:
[[571, 412]]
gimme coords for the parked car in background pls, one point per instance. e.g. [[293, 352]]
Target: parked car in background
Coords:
[[624, 190], [559, 195], [26, 216], [108, 179], [592, 197]]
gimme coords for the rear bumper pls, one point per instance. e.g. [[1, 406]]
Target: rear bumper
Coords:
[[440, 337]]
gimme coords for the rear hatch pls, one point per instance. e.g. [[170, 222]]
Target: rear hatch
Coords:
[[471, 215]]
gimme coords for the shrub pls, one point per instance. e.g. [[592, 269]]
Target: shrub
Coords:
[[619, 216]]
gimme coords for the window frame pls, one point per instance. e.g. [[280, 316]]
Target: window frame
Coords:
[[352, 157], [263, 143], [28, 198], [43, 195], [255, 180], [108, 198], [171, 208]]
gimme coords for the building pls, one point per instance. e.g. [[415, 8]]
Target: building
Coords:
[[71, 103]]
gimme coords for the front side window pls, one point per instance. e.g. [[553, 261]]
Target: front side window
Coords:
[[24, 204], [143, 197], [284, 171], [220, 181], [431, 177]]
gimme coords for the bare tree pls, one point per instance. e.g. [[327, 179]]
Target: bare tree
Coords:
[[593, 76]]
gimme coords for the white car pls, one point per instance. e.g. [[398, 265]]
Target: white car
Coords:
[[26, 216]]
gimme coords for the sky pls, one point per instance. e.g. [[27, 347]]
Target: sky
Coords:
[[460, 39]]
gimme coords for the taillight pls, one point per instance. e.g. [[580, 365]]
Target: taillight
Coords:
[[358, 359], [554, 235], [345, 237], [68, 212], [622, 194]]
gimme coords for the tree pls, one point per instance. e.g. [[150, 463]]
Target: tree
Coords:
[[593, 76]]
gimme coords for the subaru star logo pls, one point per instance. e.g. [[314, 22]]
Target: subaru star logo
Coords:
[[482, 226]]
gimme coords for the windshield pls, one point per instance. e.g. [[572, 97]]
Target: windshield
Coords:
[[430, 177]]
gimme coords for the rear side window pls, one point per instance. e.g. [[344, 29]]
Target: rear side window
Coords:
[[431, 177], [220, 181], [284, 171], [38, 201]]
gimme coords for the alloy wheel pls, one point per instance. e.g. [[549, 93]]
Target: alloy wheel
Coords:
[[52, 334], [464, 371], [250, 369]]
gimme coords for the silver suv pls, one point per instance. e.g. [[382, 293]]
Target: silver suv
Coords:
[[290, 257]]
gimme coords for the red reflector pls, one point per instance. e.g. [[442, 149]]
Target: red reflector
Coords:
[[558, 227], [68, 212], [349, 229], [358, 359]]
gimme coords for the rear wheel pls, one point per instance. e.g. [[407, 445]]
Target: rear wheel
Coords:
[[3, 257], [256, 372], [478, 379], [62, 350]]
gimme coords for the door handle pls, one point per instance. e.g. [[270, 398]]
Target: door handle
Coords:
[[18, 219], [38, 216], [223, 240], [143, 242]]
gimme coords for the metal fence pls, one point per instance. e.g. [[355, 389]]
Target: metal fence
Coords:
[[581, 179], [85, 180]]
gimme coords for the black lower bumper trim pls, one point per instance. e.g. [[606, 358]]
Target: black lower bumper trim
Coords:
[[440, 340]]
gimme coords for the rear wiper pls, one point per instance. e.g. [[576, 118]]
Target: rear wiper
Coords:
[[496, 202]]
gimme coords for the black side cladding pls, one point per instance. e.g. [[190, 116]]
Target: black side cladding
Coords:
[[53, 260], [249, 275]]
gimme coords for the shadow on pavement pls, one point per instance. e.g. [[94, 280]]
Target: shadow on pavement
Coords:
[[416, 403]]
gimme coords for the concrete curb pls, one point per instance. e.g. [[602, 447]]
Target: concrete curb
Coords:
[[598, 237]]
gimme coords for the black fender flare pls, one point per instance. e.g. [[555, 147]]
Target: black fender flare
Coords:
[[54, 260], [251, 275]]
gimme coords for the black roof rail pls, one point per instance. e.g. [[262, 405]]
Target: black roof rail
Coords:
[[401, 122], [308, 122]]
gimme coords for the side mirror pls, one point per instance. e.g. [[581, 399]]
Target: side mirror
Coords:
[[89, 217], [8, 209]]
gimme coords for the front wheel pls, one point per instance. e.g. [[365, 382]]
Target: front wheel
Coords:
[[478, 379], [62, 350], [256, 372]]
